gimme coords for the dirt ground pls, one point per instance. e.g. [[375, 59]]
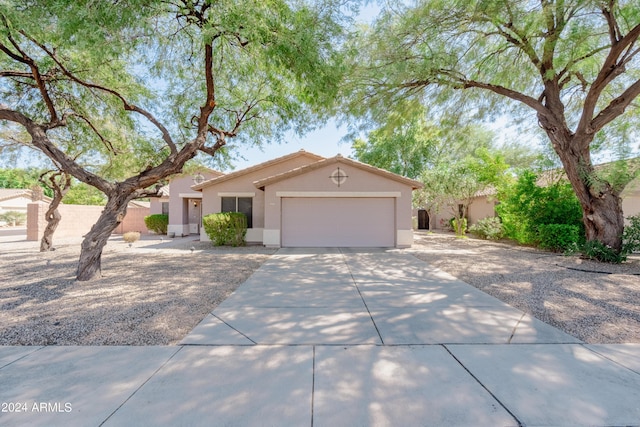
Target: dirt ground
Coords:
[[595, 302], [156, 291]]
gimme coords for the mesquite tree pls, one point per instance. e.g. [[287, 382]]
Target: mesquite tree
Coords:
[[59, 182], [153, 83], [573, 63]]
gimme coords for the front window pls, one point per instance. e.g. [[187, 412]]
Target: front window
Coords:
[[239, 204]]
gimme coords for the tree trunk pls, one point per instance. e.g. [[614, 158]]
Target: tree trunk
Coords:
[[53, 219], [90, 263], [604, 220], [601, 204], [53, 215]]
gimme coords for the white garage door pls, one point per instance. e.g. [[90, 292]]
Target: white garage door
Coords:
[[338, 222]]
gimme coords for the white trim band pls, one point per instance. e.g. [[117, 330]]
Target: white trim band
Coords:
[[395, 194], [237, 194], [190, 195]]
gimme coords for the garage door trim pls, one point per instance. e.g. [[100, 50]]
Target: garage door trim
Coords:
[[332, 194], [351, 230]]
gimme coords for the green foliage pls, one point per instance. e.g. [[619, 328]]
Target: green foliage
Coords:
[[559, 237], [458, 225], [542, 62], [597, 250], [400, 146], [22, 178], [157, 223], [226, 228], [631, 236], [489, 228], [525, 206], [13, 217], [83, 194]]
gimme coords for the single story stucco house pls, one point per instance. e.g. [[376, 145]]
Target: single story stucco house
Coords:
[[17, 199], [181, 203], [303, 200]]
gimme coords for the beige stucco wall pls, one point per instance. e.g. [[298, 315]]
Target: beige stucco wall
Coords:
[[631, 206], [156, 205], [359, 181], [182, 213], [480, 208], [242, 186], [77, 220]]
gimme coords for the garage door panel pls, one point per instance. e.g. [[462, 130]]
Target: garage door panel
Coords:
[[339, 222]]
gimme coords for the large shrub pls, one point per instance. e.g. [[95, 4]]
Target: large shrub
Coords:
[[157, 223], [559, 237], [487, 228], [227, 228], [631, 236], [525, 206]]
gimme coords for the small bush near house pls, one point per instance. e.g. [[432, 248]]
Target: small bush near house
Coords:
[[227, 228], [13, 218], [157, 223], [489, 228], [559, 237], [131, 236]]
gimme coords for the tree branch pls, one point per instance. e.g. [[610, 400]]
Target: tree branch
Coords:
[[611, 68], [33, 66], [166, 136], [40, 140], [615, 108]]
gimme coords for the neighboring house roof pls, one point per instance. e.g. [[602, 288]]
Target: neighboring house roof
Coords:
[[332, 160], [236, 174], [164, 191], [14, 193], [139, 204]]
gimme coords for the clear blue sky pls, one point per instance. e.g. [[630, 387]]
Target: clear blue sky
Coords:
[[324, 142]]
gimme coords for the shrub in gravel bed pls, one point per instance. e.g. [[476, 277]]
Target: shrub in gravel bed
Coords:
[[131, 236], [157, 223], [630, 244], [226, 228], [631, 236], [559, 237], [489, 228]]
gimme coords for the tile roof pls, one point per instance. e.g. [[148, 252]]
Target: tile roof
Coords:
[[337, 159], [254, 168]]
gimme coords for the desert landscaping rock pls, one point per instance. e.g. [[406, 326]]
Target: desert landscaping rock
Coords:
[[153, 293], [567, 292], [157, 291]]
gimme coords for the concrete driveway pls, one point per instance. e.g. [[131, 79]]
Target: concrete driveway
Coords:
[[330, 337]]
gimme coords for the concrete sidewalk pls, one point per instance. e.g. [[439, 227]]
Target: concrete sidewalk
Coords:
[[335, 338]]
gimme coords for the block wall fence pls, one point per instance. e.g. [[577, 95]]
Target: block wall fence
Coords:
[[77, 220]]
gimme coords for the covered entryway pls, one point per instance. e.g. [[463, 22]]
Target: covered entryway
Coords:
[[338, 222]]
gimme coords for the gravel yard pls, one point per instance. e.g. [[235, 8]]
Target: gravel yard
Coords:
[[595, 302], [155, 292]]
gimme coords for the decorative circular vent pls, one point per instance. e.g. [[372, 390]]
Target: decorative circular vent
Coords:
[[338, 176], [198, 178]]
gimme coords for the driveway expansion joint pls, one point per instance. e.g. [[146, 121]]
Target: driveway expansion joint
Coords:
[[519, 423]]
